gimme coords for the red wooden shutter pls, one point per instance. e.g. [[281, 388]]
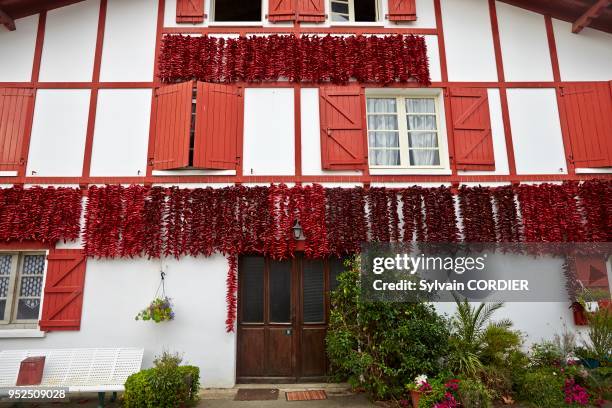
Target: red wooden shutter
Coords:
[[342, 130], [472, 129], [402, 10], [172, 126], [63, 294], [281, 10], [189, 11], [15, 103], [218, 126], [311, 10], [592, 271], [587, 113]]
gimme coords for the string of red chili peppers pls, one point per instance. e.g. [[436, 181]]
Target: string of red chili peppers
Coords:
[[373, 59]]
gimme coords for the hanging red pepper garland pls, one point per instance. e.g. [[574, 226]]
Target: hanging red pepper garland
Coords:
[[131, 221], [368, 59]]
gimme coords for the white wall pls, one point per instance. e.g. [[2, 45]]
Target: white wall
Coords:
[[70, 42], [269, 131], [433, 54], [17, 50], [469, 40], [536, 131], [524, 44], [58, 132], [116, 290], [583, 57], [129, 41], [498, 135], [121, 134]]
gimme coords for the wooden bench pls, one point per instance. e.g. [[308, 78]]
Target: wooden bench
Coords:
[[98, 370]]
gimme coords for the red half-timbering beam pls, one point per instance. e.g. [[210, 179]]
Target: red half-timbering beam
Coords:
[[592, 13], [7, 20]]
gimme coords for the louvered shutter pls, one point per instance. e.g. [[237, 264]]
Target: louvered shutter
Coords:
[[587, 114], [343, 136], [190, 11], [15, 103], [63, 293], [402, 10], [218, 125], [172, 126], [311, 10], [592, 271], [281, 10], [472, 129]]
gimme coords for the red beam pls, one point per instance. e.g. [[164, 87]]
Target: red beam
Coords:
[[7, 20], [592, 13]]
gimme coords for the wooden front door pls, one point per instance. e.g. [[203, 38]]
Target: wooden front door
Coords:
[[283, 314]]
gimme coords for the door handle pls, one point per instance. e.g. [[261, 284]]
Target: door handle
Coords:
[[288, 332]]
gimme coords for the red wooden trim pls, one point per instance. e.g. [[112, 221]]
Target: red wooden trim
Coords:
[[554, 60], [25, 246], [151, 148], [297, 109], [592, 13], [503, 95], [93, 99]]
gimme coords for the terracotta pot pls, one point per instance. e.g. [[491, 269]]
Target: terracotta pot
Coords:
[[415, 396], [580, 318]]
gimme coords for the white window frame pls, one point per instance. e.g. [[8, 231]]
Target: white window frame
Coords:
[[351, 13], [9, 320], [400, 95], [214, 21]]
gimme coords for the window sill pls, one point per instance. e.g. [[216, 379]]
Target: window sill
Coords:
[[8, 173], [21, 333], [408, 171], [603, 170], [194, 172]]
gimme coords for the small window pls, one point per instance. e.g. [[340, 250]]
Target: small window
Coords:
[[237, 10], [21, 286], [354, 10], [403, 132]]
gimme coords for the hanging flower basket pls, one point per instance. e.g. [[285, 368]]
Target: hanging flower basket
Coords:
[[160, 310]]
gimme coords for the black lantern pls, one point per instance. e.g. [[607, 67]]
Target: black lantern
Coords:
[[298, 233]]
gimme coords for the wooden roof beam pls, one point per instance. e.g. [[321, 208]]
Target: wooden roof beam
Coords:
[[7, 20], [592, 13]]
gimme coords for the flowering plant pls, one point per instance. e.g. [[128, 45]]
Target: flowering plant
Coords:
[[575, 393], [160, 310], [420, 384]]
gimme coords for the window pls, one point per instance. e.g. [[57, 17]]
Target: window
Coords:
[[403, 132], [237, 10], [354, 10], [21, 286]]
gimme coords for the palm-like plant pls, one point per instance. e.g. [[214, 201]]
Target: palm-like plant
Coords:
[[470, 326]]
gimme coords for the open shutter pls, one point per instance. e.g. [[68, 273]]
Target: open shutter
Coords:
[[342, 130], [172, 126], [281, 10], [15, 103], [63, 294], [592, 271], [472, 129], [311, 10], [218, 125], [402, 10], [190, 11], [587, 113]]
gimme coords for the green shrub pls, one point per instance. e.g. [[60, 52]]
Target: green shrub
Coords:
[[474, 394], [438, 390], [600, 334], [546, 354], [541, 388], [379, 346], [166, 385], [498, 380], [599, 382]]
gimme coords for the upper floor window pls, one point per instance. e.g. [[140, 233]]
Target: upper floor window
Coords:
[[21, 285], [236, 10], [403, 132], [354, 10]]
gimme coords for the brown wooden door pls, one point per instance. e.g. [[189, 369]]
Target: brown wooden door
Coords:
[[283, 315]]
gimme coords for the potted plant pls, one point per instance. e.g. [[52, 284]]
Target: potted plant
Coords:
[[160, 310], [417, 388]]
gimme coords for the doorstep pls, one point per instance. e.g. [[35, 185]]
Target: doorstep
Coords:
[[332, 389]]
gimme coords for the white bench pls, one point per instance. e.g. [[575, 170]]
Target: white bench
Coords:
[[80, 370]]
